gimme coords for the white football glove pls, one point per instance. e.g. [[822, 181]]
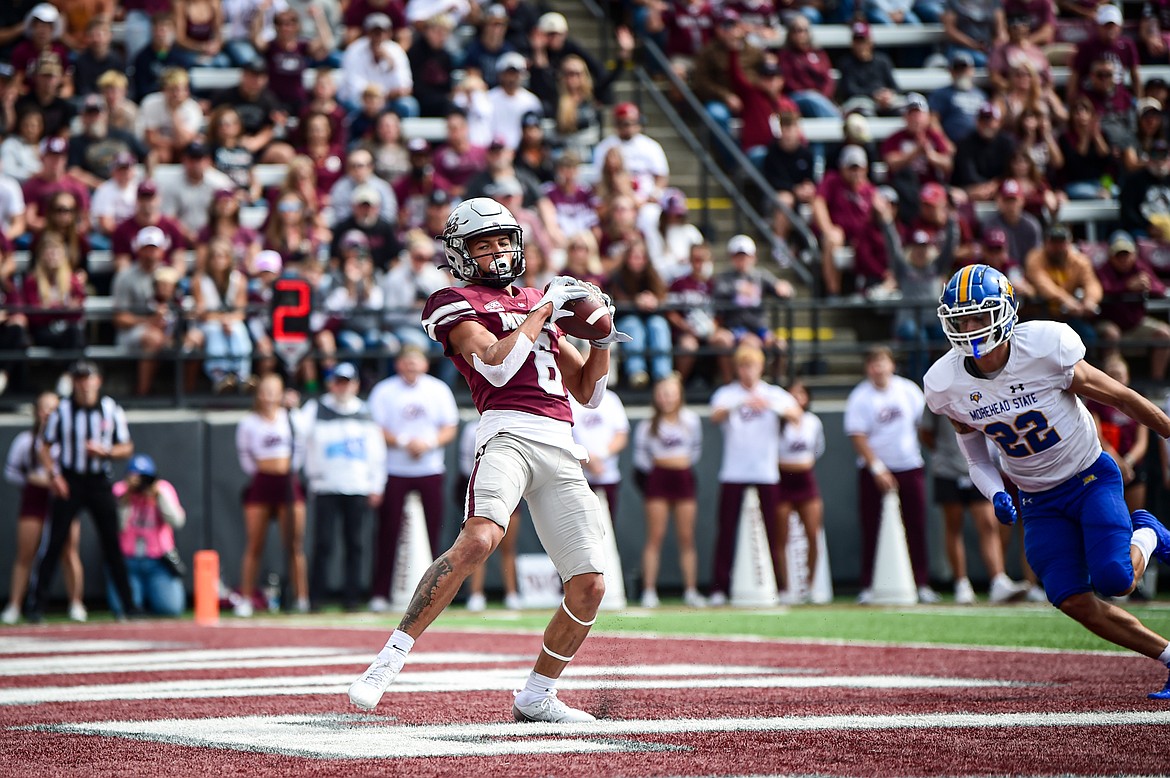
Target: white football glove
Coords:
[[561, 290], [614, 336]]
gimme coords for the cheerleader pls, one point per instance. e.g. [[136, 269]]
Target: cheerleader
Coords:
[[801, 444], [271, 450], [24, 469], [666, 447]]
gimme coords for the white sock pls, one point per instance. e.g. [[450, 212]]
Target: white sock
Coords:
[[1164, 657], [1146, 541], [399, 642], [537, 687]]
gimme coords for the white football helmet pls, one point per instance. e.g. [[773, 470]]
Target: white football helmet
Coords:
[[475, 218]]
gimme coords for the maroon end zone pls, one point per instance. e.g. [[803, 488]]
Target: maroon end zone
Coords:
[[172, 698]]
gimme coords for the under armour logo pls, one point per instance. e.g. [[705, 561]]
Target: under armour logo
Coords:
[[1017, 388], [1025, 501]]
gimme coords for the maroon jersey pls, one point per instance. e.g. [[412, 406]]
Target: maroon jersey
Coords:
[[537, 387], [286, 68]]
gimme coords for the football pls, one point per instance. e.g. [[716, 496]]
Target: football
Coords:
[[590, 319]]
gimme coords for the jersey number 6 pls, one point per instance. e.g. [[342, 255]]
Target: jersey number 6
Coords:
[[1032, 427]]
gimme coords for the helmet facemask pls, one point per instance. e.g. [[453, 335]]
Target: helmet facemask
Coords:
[[473, 220], [1000, 316]]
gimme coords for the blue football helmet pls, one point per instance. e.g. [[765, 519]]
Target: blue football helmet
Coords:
[[978, 290]]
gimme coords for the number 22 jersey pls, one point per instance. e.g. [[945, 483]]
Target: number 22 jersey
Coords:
[[1044, 433]]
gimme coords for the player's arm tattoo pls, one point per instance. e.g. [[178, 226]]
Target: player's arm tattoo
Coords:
[[426, 592]]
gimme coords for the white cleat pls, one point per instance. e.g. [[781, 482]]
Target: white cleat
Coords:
[[77, 612], [368, 688], [692, 599], [649, 599], [379, 605], [964, 592], [865, 597], [243, 609], [549, 709], [1004, 589], [11, 615], [928, 596], [512, 602], [477, 603], [1036, 594], [717, 599]]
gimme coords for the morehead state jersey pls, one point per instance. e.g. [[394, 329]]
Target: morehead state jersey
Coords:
[[1043, 431], [537, 387]]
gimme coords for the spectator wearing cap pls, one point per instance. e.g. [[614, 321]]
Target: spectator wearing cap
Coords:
[[406, 288], [534, 154], [981, 159], [54, 286], [762, 96], [359, 172], [53, 178], [355, 301], [140, 322], [844, 215], [1065, 282], [45, 94], [366, 219], [458, 160], [710, 75], [1018, 56], [1151, 128], [956, 107], [807, 71], [509, 100], [739, 293], [376, 59], [187, 198], [431, 62], [20, 152], [345, 463], [551, 45], [490, 43], [414, 188], [151, 63], [918, 153], [419, 418], [918, 270], [670, 245], [169, 120], [93, 151], [149, 512], [951, 235], [867, 83], [262, 114], [974, 26], [1146, 193], [147, 213], [121, 112], [42, 28], [993, 251], [358, 11], [1021, 230], [1127, 282], [288, 55], [1106, 44], [96, 58], [643, 156], [79, 444], [220, 294], [1088, 157]]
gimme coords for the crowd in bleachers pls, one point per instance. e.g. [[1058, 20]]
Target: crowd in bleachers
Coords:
[[132, 174]]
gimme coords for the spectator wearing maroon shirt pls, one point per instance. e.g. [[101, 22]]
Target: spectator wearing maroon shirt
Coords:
[[1039, 15], [287, 56], [918, 149], [42, 32], [1127, 281], [55, 286], [691, 313], [325, 152], [358, 10], [809, 81], [688, 25], [1107, 44], [1112, 103], [458, 160], [414, 188], [709, 76], [844, 215], [950, 236], [53, 178], [148, 213], [762, 96]]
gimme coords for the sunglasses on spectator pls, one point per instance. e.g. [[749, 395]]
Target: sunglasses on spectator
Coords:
[[63, 209]]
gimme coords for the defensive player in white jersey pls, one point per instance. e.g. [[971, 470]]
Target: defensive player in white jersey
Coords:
[[521, 369], [1018, 385]]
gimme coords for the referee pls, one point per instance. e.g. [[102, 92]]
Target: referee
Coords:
[[90, 431]]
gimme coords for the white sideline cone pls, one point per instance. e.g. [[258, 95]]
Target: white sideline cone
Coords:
[[615, 585], [893, 578], [797, 556], [753, 580], [413, 554]]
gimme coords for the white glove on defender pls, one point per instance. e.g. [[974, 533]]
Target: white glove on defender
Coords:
[[561, 290]]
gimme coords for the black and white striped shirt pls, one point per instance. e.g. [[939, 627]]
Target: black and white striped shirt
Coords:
[[72, 426]]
